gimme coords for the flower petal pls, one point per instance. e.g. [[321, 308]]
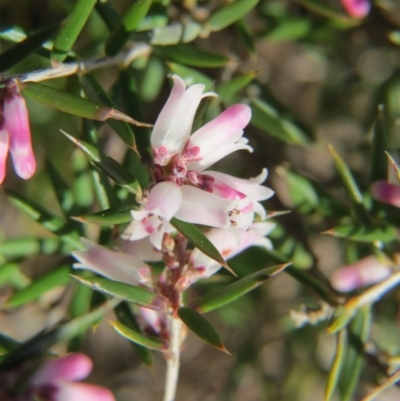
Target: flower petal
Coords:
[[174, 124], [17, 125], [113, 265], [141, 249], [4, 144], [385, 192], [166, 196], [71, 367], [201, 207], [357, 8], [70, 391]]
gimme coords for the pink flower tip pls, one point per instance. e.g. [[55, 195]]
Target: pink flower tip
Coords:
[[357, 8], [386, 192]]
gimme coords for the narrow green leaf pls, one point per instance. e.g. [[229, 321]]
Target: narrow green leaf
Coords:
[[108, 13], [43, 341], [337, 364], [17, 247], [394, 165], [108, 217], [229, 14], [201, 327], [190, 75], [228, 91], [12, 33], [364, 233], [245, 35], [126, 317], [96, 93], [191, 56], [53, 223], [130, 21], [19, 52], [68, 34], [357, 336], [41, 285], [137, 295], [138, 338], [167, 35], [109, 166], [71, 104], [268, 119], [151, 22], [235, 290], [200, 241], [379, 146], [7, 344], [11, 275]]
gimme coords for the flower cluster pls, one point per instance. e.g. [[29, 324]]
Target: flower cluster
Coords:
[[56, 380], [182, 188], [15, 135]]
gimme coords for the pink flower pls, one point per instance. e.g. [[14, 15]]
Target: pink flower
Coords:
[[15, 134], [56, 381], [357, 8], [113, 265], [366, 271], [386, 192]]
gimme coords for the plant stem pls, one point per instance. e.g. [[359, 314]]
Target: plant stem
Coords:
[[124, 58], [173, 356]]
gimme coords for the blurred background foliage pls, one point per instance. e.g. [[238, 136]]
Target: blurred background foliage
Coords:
[[313, 76]]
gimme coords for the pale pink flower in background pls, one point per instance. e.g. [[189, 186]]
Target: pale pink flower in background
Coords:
[[15, 135], [386, 192], [364, 272], [116, 266], [357, 8], [163, 202], [56, 380]]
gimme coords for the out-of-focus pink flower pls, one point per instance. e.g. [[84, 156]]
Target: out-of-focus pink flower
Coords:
[[357, 8], [366, 271], [56, 381], [386, 192], [15, 135]]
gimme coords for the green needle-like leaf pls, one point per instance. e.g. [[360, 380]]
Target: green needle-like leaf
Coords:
[[201, 327], [138, 338], [190, 55], [334, 373], [228, 91], [70, 103], [68, 34], [229, 14], [364, 233], [109, 166], [133, 16], [25, 48], [41, 285], [131, 293], [379, 147], [17, 247], [200, 241], [108, 217], [235, 290], [96, 93]]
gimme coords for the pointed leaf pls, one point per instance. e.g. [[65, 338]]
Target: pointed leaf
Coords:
[[126, 317], [70, 103], [364, 233], [96, 93], [108, 217], [190, 55], [19, 52], [12, 33], [53, 223], [68, 34], [229, 14], [229, 90], [190, 75], [11, 275], [138, 338], [268, 119], [7, 344], [290, 29], [109, 166], [200, 241], [395, 167], [137, 295], [130, 22], [201, 327], [379, 146], [41, 285], [337, 364], [17, 247], [235, 290], [108, 13]]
